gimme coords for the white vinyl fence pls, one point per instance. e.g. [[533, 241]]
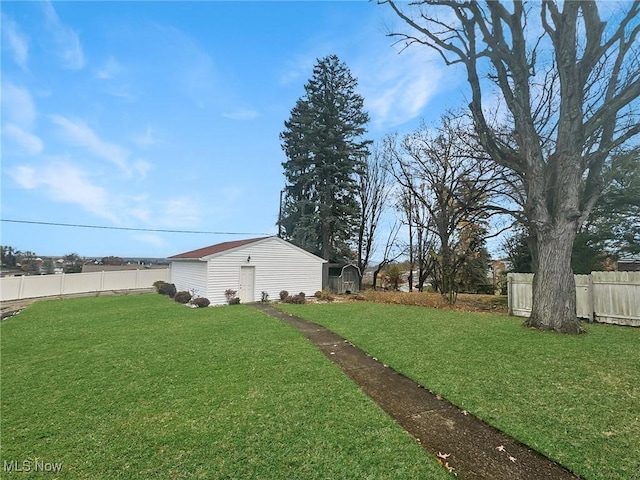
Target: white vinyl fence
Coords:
[[607, 297], [34, 286]]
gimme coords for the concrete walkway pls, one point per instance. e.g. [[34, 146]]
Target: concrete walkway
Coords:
[[464, 444]]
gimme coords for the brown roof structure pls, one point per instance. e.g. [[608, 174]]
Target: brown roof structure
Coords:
[[217, 248]]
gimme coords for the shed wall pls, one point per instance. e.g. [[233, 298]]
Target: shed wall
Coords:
[[278, 266], [190, 275]]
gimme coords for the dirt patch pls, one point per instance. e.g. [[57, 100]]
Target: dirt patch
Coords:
[[461, 442]]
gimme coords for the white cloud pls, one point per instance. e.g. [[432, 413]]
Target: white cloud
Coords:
[[18, 106], [19, 117], [80, 134], [27, 141], [241, 114], [179, 211], [15, 40], [189, 65], [62, 182], [64, 39], [146, 139], [397, 87], [109, 70], [300, 68], [141, 168], [151, 239]]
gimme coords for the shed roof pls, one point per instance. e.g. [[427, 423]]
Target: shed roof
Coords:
[[217, 248]]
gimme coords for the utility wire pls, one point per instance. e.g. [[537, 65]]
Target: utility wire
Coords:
[[73, 225]]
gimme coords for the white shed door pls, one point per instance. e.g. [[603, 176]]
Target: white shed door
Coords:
[[247, 280]]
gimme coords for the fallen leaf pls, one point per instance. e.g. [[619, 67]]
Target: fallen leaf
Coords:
[[501, 448], [513, 459], [443, 455], [438, 397], [464, 412]]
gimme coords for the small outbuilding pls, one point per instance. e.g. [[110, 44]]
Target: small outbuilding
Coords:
[[341, 279], [251, 266]]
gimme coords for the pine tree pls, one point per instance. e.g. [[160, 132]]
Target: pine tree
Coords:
[[325, 149]]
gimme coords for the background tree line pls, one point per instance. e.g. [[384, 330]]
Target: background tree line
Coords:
[[556, 156]]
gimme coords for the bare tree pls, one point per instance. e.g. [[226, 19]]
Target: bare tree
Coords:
[[422, 240], [391, 252], [373, 193], [449, 182], [570, 83]]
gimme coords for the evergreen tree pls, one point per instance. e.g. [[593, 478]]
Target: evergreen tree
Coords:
[[325, 149]]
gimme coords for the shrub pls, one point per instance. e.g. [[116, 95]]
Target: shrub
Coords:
[[324, 295], [299, 299], [182, 297], [230, 295], [485, 289], [265, 297], [168, 289], [283, 295], [157, 284], [201, 302]]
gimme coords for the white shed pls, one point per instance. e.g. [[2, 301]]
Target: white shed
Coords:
[[252, 266]]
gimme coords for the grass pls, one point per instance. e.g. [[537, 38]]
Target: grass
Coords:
[[139, 387], [574, 398], [465, 302]]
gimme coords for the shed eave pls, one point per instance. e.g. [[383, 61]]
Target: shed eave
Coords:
[[194, 259], [267, 239]]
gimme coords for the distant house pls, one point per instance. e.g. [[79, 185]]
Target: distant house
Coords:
[[629, 263], [98, 267], [251, 266]]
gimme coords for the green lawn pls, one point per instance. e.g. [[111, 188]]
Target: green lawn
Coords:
[[574, 398], [139, 387]]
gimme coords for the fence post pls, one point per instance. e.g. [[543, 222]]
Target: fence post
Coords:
[[510, 293], [591, 297], [21, 289], [101, 281], [62, 283]]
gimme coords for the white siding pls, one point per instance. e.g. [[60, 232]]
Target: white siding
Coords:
[[278, 266], [190, 275]]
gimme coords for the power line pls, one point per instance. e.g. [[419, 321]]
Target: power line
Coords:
[[103, 227]]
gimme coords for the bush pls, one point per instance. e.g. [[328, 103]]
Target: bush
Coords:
[[325, 295], [201, 302], [283, 295], [168, 289], [265, 297], [485, 289], [182, 297], [230, 295], [298, 299], [158, 283]]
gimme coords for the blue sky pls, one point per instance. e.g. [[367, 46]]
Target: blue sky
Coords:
[[166, 115]]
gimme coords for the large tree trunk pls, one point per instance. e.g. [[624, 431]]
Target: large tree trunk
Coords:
[[554, 287]]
